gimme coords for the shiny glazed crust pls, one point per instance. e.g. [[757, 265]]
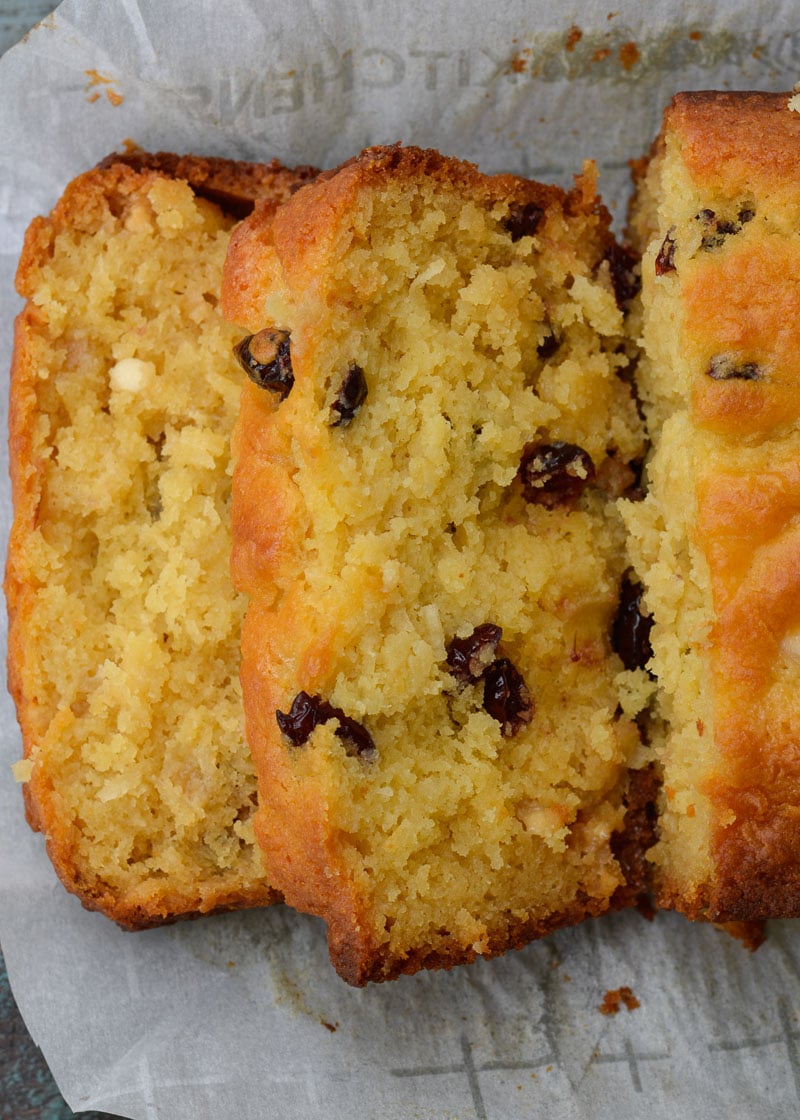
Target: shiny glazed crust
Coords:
[[288, 643], [116, 181]]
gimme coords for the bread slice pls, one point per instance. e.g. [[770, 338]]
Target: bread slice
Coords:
[[717, 541], [124, 627], [427, 458]]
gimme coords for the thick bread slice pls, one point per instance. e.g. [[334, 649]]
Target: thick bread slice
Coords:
[[124, 627], [432, 801], [717, 541]]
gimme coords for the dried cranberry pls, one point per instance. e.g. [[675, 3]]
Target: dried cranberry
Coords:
[[304, 715], [720, 228], [506, 697], [630, 633], [357, 740], [555, 474], [724, 368], [523, 221], [468, 658], [350, 397], [266, 359], [307, 712], [665, 261], [714, 237], [624, 277]]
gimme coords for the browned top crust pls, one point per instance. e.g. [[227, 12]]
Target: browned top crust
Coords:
[[742, 149], [304, 226], [739, 140], [234, 185], [740, 306]]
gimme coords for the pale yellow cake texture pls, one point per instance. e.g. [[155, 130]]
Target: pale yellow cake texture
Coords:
[[406, 528], [125, 625]]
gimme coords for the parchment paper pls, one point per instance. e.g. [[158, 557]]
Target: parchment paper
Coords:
[[241, 1015]]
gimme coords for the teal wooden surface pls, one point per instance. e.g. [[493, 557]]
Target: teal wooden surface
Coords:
[[27, 1089], [19, 16]]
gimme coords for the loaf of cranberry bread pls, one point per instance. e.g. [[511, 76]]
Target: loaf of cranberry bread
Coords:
[[124, 626], [435, 429], [717, 541]]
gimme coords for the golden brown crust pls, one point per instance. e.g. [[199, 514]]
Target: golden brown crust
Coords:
[[304, 226], [84, 207], [737, 142], [234, 185], [730, 188], [747, 305], [744, 306], [741, 149], [364, 968], [747, 525]]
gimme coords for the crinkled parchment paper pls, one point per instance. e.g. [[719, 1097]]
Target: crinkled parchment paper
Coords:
[[241, 1015]]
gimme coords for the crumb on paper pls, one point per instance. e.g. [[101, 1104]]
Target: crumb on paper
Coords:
[[130, 147], [602, 54], [106, 84], [97, 79], [614, 998], [519, 61], [696, 35], [22, 770], [629, 55], [574, 35], [332, 1027]]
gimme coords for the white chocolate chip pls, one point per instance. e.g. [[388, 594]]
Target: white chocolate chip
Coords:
[[130, 374], [790, 645], [541, 821], [22, 770]]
